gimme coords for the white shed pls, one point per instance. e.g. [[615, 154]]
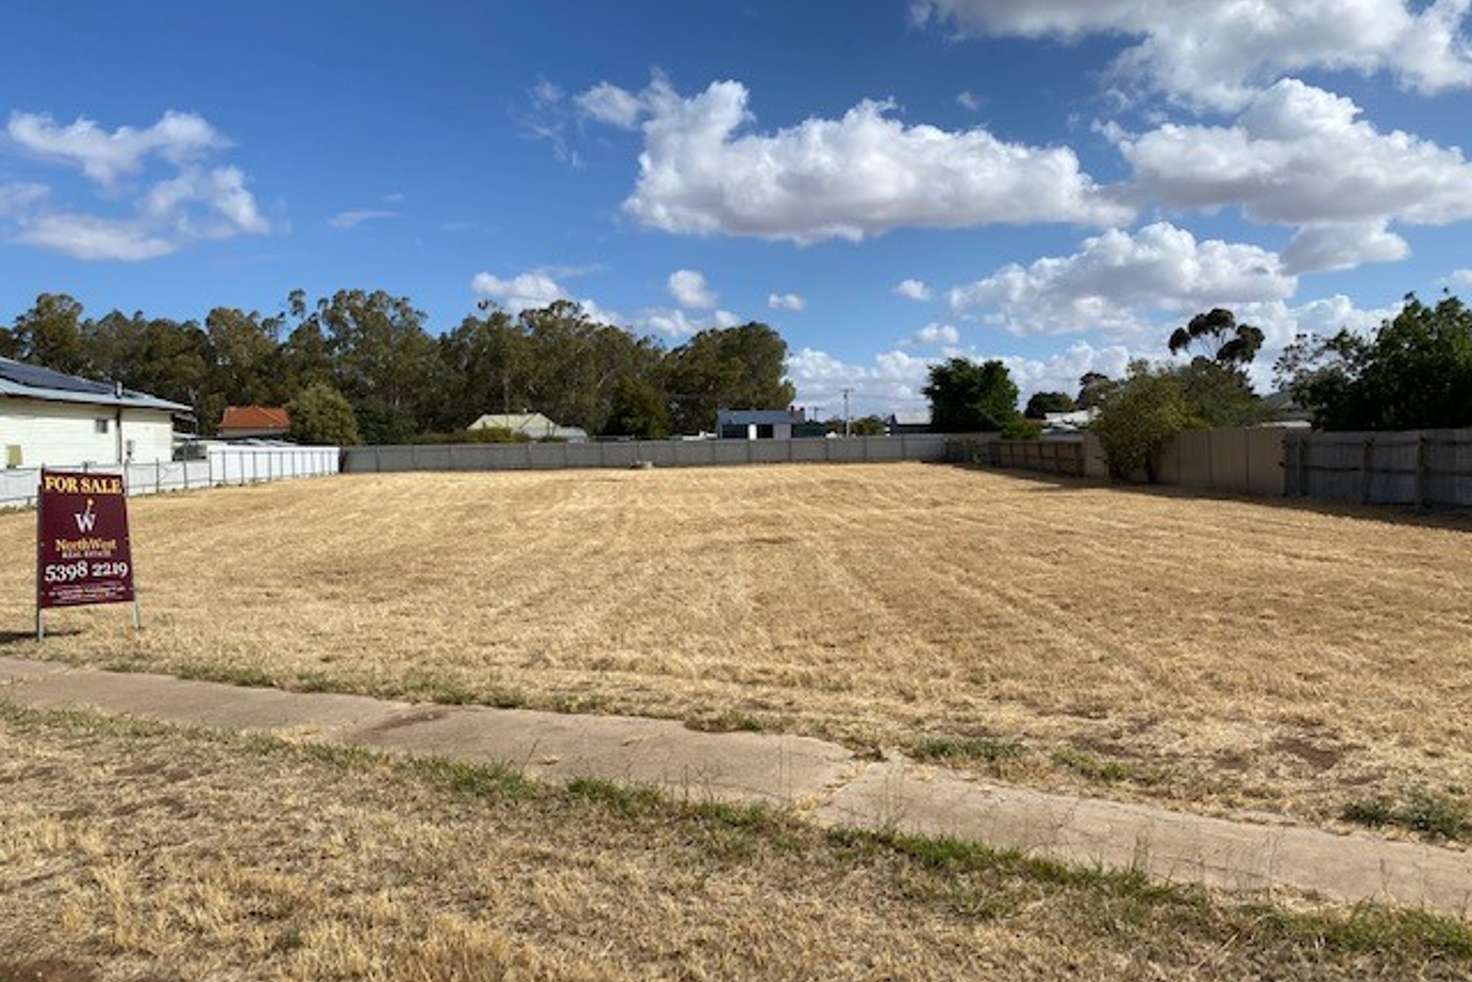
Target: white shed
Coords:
[[56, 420]]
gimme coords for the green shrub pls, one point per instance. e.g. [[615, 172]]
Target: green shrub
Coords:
[[490, 434], [1019, 428], [1138, 415]]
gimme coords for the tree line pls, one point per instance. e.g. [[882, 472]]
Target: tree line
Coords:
[[362, 366], [1413, 372]]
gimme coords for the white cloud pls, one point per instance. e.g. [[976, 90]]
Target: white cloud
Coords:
[[547, 119], [1323, 247], [1214, 53], [1282, 322], [861, 175], [89, 237], [690, 290], [532, 290], [933, 335], [1462, 276], [675, 323], [355, 217], [785, 301], [230, 207], [196, 202], [969, 101], [892, 382], [104, 156], [18, 197], [545, 93], [1117, 280], [913, 290], [1298, 155], [612, 105]]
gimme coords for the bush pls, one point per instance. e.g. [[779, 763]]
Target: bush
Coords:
[[320, 415], [1138, 415], [1019, 428], [489, 434]]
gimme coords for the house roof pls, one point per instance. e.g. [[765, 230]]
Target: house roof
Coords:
[[911, 417], [761, 417], [515, 422], [255, 418], [23, 381]]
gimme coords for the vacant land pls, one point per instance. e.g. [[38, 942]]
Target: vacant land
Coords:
[[124, 856], [1222, 654]]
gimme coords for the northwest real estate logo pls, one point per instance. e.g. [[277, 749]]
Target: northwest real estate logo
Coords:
[[83, 549]]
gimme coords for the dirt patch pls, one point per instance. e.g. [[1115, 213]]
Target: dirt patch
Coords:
[[47, 970], [1317, 756]]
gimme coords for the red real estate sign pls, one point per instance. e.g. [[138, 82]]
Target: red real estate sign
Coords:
[[82, 550]]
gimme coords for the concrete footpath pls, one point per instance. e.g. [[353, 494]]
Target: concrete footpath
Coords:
[[821, 781]]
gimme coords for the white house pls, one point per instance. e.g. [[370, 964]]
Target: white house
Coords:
[[534, 426], [64, 421]]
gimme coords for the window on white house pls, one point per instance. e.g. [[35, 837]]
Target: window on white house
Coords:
[[102, 425]]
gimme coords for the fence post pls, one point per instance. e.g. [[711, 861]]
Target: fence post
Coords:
[[1367, 462], [378, 459], [158, 476], [1422, 490], [209, 468], [603, 454], [1302, 448], [866, 448]]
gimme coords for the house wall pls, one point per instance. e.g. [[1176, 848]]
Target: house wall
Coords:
[[64, 434]]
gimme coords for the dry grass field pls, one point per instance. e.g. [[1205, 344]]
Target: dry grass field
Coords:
[[124, 857], [1219, 654]]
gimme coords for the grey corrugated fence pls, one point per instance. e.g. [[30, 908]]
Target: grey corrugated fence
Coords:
[[660, 453], [1417, 467]]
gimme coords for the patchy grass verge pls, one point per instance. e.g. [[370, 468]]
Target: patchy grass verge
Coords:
[[1428, 813], [976, 749], [150, 849]]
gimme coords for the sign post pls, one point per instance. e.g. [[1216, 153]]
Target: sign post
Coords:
[[83, 553]]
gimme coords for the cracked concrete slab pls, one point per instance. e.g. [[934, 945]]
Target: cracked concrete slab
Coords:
[[823, 781], [177, 700], [703, 766], [1167, 845]]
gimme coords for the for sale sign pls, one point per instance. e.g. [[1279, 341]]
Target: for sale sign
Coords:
[[82, 550]]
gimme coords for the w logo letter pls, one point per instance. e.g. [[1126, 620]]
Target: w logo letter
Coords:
[[87, 519]]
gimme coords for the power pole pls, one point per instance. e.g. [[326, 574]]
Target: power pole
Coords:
[[847, 429]]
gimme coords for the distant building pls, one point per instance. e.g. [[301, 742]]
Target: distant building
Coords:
[[1069, 422], [1284, 413], [912, 421], [56, 420], [757, 424], [254, 422], [534, 426]]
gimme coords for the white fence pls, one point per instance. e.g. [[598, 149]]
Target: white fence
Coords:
[[225, 464]]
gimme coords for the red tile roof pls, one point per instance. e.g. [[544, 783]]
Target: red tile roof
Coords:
[[255, 418]]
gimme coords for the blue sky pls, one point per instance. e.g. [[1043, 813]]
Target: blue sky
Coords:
[[1067, 178]]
